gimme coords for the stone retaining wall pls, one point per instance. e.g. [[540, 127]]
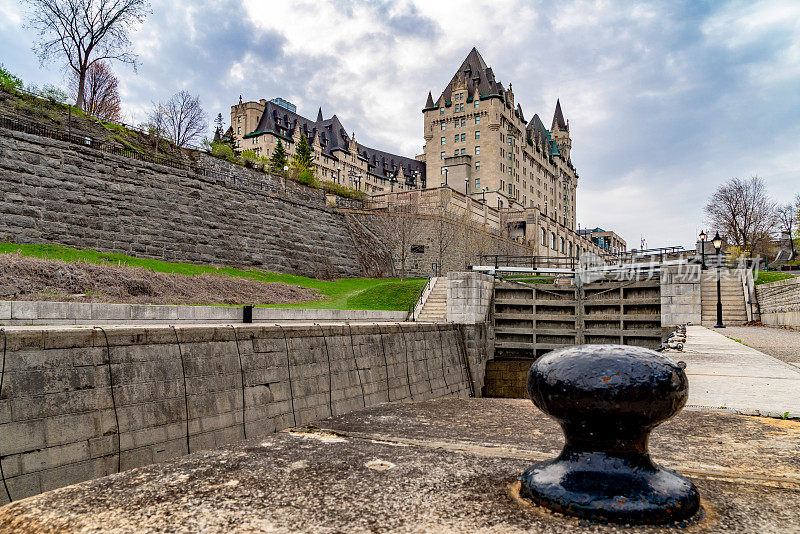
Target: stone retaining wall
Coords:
[[62, 422], [54, 192], [680, 295], [65, 313], [779, 302]]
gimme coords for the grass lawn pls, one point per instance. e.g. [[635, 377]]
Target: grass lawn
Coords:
[[765, 277], [343, 294]]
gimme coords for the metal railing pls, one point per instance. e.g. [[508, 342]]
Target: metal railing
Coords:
[[412, 308], [532, 262]]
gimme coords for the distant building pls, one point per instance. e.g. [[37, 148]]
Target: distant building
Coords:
[[338, 157], [605, 239]]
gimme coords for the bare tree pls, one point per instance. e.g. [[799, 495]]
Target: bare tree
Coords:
[[447, 228], [182, 118], [788, 215], [401, 226], [100, 93], [84, 32], [741, 210]]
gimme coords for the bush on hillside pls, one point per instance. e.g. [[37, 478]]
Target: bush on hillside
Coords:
[[54, 94], [8, 81]]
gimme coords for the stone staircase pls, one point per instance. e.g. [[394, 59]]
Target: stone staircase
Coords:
[[435, 308], [733, 298]]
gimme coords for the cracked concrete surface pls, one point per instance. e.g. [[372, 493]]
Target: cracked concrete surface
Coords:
[[449, 465]]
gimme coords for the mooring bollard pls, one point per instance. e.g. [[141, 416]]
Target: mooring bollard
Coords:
[[607, 399]]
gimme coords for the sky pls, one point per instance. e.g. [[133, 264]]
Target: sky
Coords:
[[666, 100]]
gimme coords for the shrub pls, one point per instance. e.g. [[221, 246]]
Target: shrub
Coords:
[[8, 81], [343, 191], [305, 176], [54, 94], [223, 151], [250, 158]]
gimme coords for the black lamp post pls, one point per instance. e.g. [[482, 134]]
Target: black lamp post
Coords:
[[703, 237], [445, 176], [466, 186], [717, 241], [483, 193]]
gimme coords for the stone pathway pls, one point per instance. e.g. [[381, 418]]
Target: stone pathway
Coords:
[[778, 342], [727, 375]]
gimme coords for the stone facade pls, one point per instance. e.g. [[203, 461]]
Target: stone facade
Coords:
[[779, 302], [53, 192], [62, 422]]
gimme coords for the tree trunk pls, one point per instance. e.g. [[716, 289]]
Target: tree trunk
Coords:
[[79, 101]]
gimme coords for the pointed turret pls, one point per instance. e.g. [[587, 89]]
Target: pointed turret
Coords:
[[429, 102], [558, 118], [319, 115]]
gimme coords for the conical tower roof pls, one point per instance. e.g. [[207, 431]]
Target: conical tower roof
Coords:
[[558, 118]]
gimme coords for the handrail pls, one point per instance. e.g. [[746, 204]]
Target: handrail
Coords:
[[412, 311]]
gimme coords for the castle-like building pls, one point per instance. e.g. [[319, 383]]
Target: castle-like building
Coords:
[[478, 140], [338, 158], [478, 143]]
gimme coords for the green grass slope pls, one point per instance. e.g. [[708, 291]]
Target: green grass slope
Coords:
[[343, 294]]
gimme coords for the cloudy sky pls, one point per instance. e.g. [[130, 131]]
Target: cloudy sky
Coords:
[[665, 99]]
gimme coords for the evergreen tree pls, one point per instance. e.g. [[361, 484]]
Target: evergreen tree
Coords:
[[303, 156], [219, 123], [278, 160]]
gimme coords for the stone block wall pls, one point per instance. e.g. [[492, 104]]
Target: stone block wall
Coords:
[[54, 192], [75, 405], [680, 295], [469, 296], [100, 313], [779, 302]]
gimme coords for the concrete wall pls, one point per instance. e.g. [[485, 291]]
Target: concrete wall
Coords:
[[64, 313], [680, 295], [53, 192], [779, 302], [469, 296], [61, 422]]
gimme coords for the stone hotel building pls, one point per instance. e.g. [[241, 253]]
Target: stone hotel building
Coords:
[[478, 143]]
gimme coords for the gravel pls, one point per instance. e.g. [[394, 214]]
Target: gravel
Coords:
[[781, 343]]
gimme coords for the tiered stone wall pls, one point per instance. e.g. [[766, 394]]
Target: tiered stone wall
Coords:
[[54, 192], [779, 302], [76, 405]]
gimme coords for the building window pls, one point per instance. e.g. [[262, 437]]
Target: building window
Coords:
[[442, 155], [239, 130], [442, 140], [477, 183], [477, 165], [456, 153], [463, 122], [239, 120], [552, 241], [463, 151], [418, 249], [477, 120], [544, 237], [570, 249], [561, 244], [441, 111], [477, 150], [476, 104], [443, 126], [511, 189], [463, 137], [477, 134]]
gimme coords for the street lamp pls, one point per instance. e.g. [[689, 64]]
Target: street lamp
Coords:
[[483, 193], [466, 186], [444, 169], [703, 237], [717, 241]]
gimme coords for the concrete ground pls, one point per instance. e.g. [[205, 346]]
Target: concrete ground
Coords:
[[780, 343], [450, 465], [724, 374]]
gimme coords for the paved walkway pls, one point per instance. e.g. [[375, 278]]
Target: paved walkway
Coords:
[[778, 342], [724, 374]]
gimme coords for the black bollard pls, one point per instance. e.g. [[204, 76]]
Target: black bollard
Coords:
[[607, 399]]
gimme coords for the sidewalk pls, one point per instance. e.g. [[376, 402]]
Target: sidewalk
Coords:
[[727, 375]]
